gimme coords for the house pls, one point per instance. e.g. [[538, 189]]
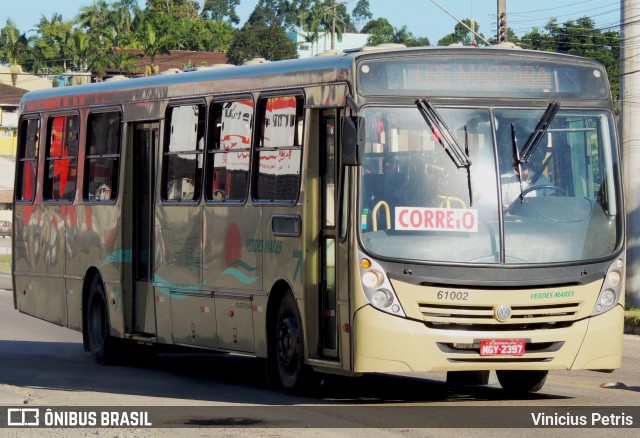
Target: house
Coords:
[[25, 81], [308, 46], [9, 104], [176, 59], [7, 171]]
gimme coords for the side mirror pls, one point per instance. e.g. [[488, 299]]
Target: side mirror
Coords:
[[353, 132]]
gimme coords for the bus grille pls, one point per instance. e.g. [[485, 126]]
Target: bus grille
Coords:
[[445, 317]]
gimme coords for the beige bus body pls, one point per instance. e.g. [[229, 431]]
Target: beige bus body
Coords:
[[219, 272]]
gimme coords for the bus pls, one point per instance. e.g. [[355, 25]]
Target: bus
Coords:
[[381, 210]]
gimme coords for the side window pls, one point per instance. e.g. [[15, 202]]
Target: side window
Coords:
[[229, 151], [279, 149], [103, 157], [62, 158], [183, 149], [28, 159]]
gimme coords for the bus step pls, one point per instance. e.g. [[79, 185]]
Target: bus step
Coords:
[[141, 339]]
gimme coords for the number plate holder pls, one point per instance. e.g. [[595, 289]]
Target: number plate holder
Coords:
[[502, 347]]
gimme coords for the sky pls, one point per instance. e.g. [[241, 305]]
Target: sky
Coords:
[[422, 17]]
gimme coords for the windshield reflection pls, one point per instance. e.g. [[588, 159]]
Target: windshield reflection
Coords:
[[417, 203]]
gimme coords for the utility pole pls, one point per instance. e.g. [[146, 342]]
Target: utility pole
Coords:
[[630, 134], [502, 21], [333, 25]]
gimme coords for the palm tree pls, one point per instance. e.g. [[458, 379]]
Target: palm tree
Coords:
[[327, 16], [12, 45], [151, 44], [56, 34], [95, 20], [121, 18]]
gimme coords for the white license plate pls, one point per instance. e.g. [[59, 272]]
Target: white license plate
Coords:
[[502, 347]]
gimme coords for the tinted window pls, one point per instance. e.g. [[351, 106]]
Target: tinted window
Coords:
[[279, 149], [183, 150], [62, 158], [230, 151], [103, 157], [28, 159]]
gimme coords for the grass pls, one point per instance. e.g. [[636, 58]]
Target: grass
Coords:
[[5, 262], [632, 318]]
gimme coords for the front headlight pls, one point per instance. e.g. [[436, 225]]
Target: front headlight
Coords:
[[377, 287], [382, 298], [612, 288]]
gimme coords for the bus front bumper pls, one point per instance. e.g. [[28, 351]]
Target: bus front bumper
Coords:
[[385, 343]]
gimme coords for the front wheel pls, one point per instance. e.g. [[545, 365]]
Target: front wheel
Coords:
[[522, 382], [101, 344], [288, 345]]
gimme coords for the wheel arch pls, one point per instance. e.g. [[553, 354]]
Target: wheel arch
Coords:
[[278, 290]]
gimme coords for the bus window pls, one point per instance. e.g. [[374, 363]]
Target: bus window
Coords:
[[279, 149], [62, 154], [103, 157], [229, 151], [28, 159], [183, 152]]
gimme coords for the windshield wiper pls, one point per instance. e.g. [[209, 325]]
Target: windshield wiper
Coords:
[[541, 129], [442, 133], [517, 160]]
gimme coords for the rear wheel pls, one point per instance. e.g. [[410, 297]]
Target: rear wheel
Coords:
[[101, 344], [522, 382], [288, 345]]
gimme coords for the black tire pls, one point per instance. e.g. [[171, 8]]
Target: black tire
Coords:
[[288, 346], [522, 382], [101, 345]]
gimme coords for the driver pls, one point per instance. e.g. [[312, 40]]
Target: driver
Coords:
[[511, 184]]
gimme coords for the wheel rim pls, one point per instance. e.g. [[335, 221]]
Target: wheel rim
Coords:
[[288, 344]]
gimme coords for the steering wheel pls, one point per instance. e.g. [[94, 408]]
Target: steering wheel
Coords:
[[556, 189]]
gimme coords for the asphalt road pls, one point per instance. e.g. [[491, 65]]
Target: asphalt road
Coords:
[[43, 365]]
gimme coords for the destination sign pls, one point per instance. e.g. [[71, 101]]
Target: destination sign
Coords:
[[480, 76]]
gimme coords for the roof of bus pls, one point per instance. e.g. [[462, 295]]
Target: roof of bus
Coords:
[[243, 79]]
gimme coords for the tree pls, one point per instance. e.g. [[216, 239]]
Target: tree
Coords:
[[217, 36], [265, 14], [177, 9], [361, 12], [381, 31], [462, 35], [151, 42], [403, 36], [581, 38], [325, 16], [257, 41], [121, 16], [96, 22], [218, 10], [284, 13], [13, 45], [57, 36]]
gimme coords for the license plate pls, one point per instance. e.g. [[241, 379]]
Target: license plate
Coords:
[[502, 347]]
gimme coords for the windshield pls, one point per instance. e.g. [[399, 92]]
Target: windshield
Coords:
[[556, 204]]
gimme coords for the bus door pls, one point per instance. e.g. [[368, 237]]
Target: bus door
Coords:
[[333, 256], [140, 204]]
